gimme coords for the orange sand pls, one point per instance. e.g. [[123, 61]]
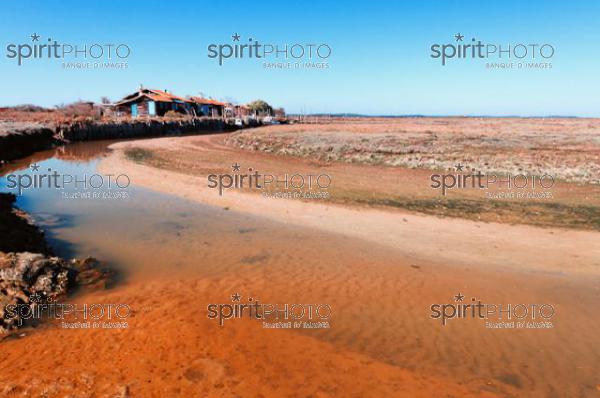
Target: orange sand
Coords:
[[379, 270]]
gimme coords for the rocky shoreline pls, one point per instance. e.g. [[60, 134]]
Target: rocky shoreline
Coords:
[[29, 273]]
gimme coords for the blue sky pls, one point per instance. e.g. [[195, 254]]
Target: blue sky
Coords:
[[380, 61]]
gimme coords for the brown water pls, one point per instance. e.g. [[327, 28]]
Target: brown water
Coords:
[[176, 254]]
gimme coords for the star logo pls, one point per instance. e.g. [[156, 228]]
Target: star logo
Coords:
[[236, 297], [459, 37], [35, 298], [235, 37], [459, 297], [35, 37], [459, 167], [34, 167], [235, 167]]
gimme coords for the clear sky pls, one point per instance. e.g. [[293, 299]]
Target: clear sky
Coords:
[[380, 61]]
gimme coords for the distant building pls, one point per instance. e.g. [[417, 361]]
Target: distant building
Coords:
[[236, 111], [279, 113], [208, 107], [150, 102], [242, 111]]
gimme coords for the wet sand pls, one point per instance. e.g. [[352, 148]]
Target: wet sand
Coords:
[[380, 270], [452, 241]]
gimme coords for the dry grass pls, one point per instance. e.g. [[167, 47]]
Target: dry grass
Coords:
[[566, 148], [378, 184], [62, 114]]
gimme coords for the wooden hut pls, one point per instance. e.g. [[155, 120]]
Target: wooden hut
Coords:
[[208, 107], [150, 102]]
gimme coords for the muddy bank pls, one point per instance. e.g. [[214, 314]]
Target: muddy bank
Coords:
[[19, 139], [138, 128]]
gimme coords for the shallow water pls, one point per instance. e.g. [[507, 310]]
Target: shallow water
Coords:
[[380, 297], [143, 228]]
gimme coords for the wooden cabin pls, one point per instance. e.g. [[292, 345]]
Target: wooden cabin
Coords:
[[150, 102], [208, 107]]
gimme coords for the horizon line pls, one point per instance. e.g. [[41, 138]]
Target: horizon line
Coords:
[[418, 115]]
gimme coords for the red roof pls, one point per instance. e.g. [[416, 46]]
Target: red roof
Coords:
[[162, 96], [206, 101], [154, 95]]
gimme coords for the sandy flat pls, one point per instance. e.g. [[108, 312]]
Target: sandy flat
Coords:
[[432, 238], [379, 269]]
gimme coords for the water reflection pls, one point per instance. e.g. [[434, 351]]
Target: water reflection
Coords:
[[145, 230], [76, 152]]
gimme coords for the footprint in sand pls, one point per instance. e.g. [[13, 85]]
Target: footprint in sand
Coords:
[[205, 370], [258, 258]]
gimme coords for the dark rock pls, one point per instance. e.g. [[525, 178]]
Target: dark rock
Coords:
[[24, 276], [90, 273], [28, 271], [17, 231], [33, 278]]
